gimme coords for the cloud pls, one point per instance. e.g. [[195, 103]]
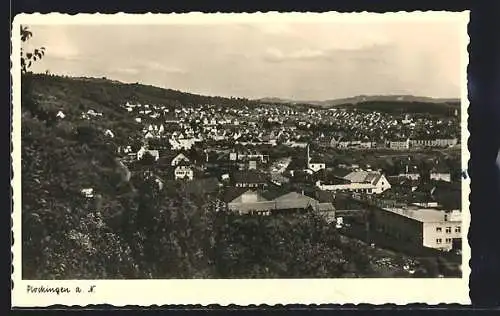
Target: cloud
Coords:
[[273, 28], [276, 55], [152, 66], [321, 60], [127, 71], [372, 53]]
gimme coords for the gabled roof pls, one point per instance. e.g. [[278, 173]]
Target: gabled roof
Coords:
[[363, 177], [232, 193], [295, 200], [259, 197], [373, 177]]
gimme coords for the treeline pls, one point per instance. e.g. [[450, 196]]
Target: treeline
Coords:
[[108, 95]]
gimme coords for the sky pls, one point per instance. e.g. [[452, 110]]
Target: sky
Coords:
[[300, 61]]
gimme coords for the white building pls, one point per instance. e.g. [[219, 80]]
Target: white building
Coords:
[[399, 145], [375, 178], [314, 165], [60, 114], [143, 151], [182, 143], [369, 182], [440, 176], [109, 133], [87, 192], [411, 176], [422, 227], [183, 173]]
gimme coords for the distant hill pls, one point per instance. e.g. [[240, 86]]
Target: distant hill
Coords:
[[382, 103], [101, 94], [363, 98]]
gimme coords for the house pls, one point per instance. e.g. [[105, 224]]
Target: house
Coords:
[[87, 192], [412, 176], [178, 159], [410, 173], [440, 176], [249, 179], [60, 115], [183, 172], [159, 182], [368, 182], [252, 165], [182, 143], [140, 154], [375, 178], [109, 133], [420, 227], [340, 142], [316, 165], [93, 113], [446, 142]]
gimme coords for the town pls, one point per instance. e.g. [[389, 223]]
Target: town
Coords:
[[403, 169]]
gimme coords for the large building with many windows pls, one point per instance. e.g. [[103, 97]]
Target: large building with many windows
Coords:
[[430, 228]]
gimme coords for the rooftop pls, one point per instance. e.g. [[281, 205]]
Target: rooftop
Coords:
[[363, 176], [427, 215], [287, 201]]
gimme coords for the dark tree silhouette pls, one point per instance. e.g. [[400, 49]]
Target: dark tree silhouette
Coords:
[[27, 58]]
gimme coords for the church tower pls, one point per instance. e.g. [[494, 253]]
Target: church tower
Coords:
[[308, 155]]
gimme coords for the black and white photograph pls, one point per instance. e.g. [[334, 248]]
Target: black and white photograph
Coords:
[[241, 147]]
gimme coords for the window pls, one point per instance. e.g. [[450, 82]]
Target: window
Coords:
[[457, 229], [439, 229], [448, 240], [438, 241], [448, 230]]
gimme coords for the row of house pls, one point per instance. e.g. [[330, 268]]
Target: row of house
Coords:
[[411, 143], [281, 124], [340, 143]]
